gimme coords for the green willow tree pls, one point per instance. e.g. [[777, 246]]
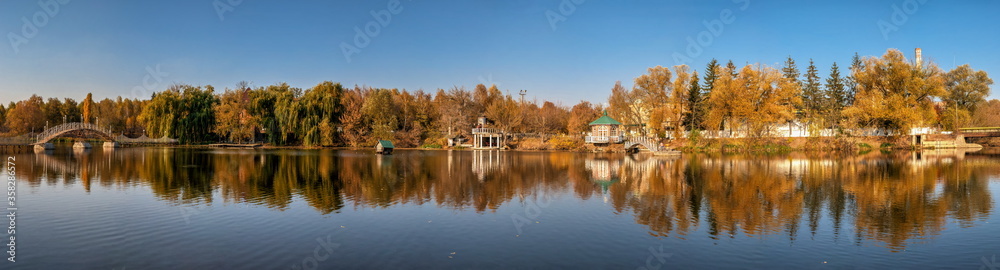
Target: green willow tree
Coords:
[[182, 111], [319, 109]]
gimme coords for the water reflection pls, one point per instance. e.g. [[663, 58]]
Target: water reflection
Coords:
[[890, 200]]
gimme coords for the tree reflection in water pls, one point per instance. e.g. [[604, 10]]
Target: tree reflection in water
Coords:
[[892, 199]]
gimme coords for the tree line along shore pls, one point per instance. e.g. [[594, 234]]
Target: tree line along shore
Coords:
[[888, 93]]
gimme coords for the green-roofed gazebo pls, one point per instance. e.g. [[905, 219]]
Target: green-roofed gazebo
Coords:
[[605, 120], [605, 130]]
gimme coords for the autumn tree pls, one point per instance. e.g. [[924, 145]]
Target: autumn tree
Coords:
[[378, 111], [553, 118], [895, 95], [966, 88], [624, 106], [754, 101], [533, 120], [482, 97], [652, 91], [679, 101], [87, 108], [412, 117], [234, 120], [456, 110], [987, 114], [26, 116], [505, 113], [580, 117], [352, 119]]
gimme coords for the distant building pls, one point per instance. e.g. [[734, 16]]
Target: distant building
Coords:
[[384, 147], [605, 130], [456, 140], [485, 136]]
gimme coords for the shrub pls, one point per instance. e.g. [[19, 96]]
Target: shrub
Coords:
[[564, 143], [532, 144]]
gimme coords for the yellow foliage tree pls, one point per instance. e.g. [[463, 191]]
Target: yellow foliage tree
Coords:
[[894, 95], [752, 102]]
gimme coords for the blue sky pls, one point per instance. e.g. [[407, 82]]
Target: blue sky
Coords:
[[111, 48]]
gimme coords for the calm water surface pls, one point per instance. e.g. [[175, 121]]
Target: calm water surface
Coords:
[[162, 208]]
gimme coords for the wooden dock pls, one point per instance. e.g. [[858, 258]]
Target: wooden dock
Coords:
[[236, 145]]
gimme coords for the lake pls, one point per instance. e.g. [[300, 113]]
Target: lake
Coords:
[[177, 208]]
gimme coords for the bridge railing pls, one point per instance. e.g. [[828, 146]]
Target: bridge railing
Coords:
[[979, 129], [52, 132], [653, 144]]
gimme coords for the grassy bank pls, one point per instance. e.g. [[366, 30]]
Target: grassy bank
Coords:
[[784, 145]]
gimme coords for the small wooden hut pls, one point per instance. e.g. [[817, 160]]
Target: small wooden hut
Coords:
[[384, 147]]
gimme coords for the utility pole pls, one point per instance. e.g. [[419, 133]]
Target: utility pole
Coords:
[[523, 92]]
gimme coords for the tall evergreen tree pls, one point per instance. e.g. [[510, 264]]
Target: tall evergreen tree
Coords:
[[791, 73], [812, 94], [836, 91], [790, 70], [732, 68], [710, 76], [851, 81], [695, 114]]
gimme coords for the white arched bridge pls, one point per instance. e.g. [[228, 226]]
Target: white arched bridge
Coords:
[[81, 130], [75, 130]]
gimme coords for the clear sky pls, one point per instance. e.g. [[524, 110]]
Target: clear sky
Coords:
[[562, 51]]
